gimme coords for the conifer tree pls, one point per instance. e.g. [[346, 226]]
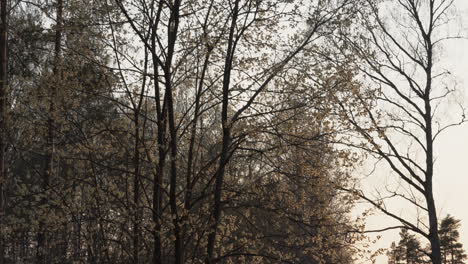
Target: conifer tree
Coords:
[[452, 249], [408, 250]]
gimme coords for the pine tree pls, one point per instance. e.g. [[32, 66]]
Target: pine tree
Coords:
[[452, 249], [408, 250], [393, 254]]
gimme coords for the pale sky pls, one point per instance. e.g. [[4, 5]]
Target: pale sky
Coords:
[[451, 174]]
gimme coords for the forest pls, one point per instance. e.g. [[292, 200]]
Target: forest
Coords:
[[224, 131]]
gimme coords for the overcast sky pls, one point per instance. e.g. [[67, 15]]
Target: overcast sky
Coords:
[[451, 178]]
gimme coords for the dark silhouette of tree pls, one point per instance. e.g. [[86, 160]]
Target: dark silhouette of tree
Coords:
[[401, 87], [408, 250], [451, 248], [410, 247], [179, 131], [393, 254], [3, 118]]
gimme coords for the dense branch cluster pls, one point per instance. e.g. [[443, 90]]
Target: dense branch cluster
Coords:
[[212, 131], [183, 132]]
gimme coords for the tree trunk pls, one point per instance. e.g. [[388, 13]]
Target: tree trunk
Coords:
[[172, 37], [42, 235], [432, 213], [429, 192], [136, 192], [217, 207], [3, 102], [161, 137]]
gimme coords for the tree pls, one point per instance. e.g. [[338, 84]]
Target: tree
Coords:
[[82, 109], [282, 195], [177, 132], [191, 45], [42, 239], [411, 248], [451, 248], [408, 250], [393, 254], [400, 53], [3, 118]]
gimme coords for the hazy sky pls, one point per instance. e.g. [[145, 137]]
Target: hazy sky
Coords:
[[451, 178]]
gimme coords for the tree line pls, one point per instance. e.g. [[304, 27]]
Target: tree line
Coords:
[[409, 249], [146, 131]]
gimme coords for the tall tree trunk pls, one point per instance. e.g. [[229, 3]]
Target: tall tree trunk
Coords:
[[431, 208], [173, 144], [136, 166], [3, 102], [226, 137], [136, 192], [161, 138], [157, 193], [42, 239]]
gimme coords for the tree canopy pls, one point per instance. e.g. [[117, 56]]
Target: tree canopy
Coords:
[[151, 131]]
